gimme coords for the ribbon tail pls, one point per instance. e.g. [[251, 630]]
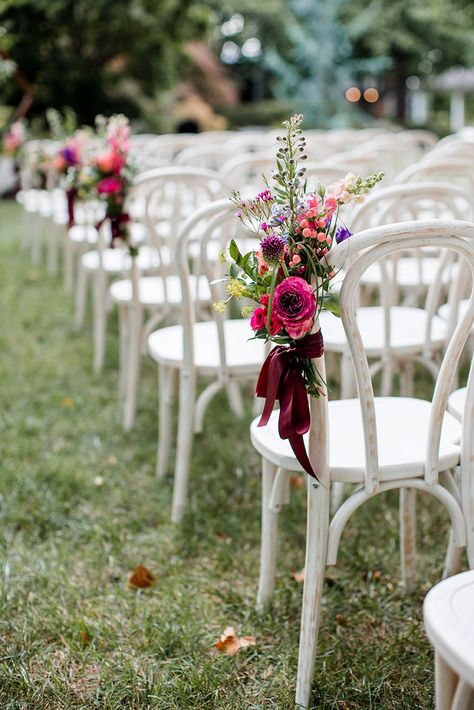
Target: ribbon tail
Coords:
[[299, 450]]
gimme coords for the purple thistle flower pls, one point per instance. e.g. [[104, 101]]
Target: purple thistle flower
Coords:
[[342, 233], [272, 248]]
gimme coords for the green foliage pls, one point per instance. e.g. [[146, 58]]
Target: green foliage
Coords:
[[97, 57]]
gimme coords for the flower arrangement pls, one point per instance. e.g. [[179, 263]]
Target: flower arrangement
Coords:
[[109, 176], [289, 278], [14, 139], [68, 163]]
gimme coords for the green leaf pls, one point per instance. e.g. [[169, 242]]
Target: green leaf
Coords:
[[331, 303], [234, 251]]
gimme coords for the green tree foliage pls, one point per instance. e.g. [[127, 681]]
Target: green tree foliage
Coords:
[[318, 69], [97, 56], [416, 37]]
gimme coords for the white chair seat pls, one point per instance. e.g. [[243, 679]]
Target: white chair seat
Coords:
[[408, 329], [152, 291], [243, 355], [448, 612], [410, 272], [443, 311], [456, 402], [402, 430], [117, 260], [82, 233]]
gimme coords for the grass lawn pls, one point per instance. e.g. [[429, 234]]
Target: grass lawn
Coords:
[[80, 507]]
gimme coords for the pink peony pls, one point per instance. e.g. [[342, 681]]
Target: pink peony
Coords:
[[109, 186], [294, 306]]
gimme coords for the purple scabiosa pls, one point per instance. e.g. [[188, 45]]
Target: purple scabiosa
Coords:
[[342, 233], [272, 248]]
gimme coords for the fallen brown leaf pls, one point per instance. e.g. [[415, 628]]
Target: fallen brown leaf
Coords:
[[298, 576], [67, 402], [229, 643], [267, 672], [341, 619], [85, 637], [141, 578]]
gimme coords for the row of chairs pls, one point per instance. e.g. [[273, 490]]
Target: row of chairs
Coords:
[[405, 299]]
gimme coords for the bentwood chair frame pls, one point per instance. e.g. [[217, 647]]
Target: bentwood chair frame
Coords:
[[218, 350], [429, 473]]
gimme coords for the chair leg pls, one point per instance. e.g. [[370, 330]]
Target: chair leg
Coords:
[[132, 374], [166, 396], [387, 379], [316, 548], [36, 237], [81, 297], [408, 536], [52, 257], [68, 265], [407, 376], [100, 312], [268, 544], [445, 684], [187, 399], [234, 396], [123, 349]]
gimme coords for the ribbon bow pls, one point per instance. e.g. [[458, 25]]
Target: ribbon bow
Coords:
[[117, 223], [281, 378], [71, 195]]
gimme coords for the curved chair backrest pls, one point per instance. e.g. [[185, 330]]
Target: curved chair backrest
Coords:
[[247, 171], [168, 145], [444, 168], [366, 248], [402, 203], [211, 228], [204, 155]]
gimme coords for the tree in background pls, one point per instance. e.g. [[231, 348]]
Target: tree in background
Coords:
[[98, 56], [318, 69], [416, 37]]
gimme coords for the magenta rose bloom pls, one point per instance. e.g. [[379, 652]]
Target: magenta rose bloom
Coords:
[[294, 305], [109, 186]]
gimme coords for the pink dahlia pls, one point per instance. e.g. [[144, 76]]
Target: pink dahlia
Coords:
[[294, 306]]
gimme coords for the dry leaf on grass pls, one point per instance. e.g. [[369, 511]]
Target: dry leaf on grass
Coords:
[[298, 576], [67, 402], [141, 578], [267, 672], [229, 643]]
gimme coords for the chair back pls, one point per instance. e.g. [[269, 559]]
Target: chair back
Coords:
[[246, 172], [210, 228], [445, 168], [366, 248]]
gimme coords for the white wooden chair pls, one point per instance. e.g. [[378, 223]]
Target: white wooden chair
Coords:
[[219, 350], [396, 333], [448, 612], [180, 189], [379, 443], [245, 172], [448, 169], [145, 301]]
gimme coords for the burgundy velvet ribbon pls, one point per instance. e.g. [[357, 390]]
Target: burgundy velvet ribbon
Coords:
[[281, 378], [71, 197], [117, 221]]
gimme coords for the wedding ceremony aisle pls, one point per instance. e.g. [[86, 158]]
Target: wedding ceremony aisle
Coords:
[[81, 508]]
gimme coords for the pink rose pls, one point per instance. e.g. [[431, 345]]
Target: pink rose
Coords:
[[294, 306], [109, 186], [258, 319]]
